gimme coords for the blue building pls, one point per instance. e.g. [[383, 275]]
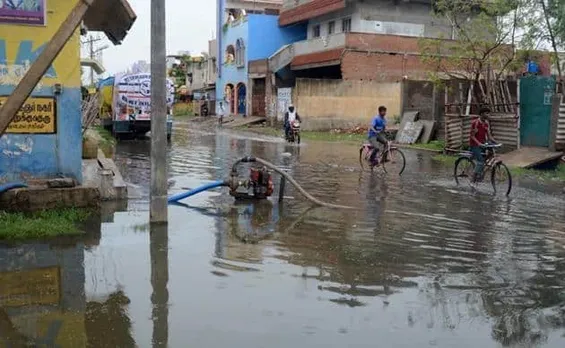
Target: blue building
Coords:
[[246, 36]]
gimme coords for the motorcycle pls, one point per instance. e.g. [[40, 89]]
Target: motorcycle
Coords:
[[294, 133]]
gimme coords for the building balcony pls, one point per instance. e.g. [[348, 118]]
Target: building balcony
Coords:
[[295, 11]]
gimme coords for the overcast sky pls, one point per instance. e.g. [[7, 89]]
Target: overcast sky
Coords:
[[189, 27]]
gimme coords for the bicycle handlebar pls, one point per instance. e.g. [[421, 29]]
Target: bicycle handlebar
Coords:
[[491, 146]]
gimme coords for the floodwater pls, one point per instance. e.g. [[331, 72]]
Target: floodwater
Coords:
[[419, 263]]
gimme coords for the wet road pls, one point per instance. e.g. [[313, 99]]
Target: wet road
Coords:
[[421, 263]]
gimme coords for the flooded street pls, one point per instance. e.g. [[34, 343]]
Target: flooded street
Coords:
[[420, 263]]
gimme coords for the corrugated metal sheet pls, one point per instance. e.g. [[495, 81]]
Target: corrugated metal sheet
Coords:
[[458, 130], [560, 136]]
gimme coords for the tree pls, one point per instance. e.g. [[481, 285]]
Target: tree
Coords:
[[484, 33], [179, 70], [545, 27]]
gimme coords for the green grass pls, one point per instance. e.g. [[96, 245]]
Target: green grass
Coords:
[[445, 159], [435, 145], [183, 110], [43, 224], [107, 141], [557, 174], [311, 135]]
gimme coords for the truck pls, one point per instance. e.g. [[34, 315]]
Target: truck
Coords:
[[125, 108]]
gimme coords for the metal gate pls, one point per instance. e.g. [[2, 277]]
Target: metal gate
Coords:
[[536, 94]]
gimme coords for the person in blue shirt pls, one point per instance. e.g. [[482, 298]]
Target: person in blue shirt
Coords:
[[376, 132]]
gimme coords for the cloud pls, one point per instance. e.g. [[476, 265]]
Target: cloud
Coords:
[[189, 27]]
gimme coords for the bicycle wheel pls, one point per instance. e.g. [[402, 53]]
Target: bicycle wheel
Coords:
[[464, 169], [364, 154], [500, 177], [396, 162]]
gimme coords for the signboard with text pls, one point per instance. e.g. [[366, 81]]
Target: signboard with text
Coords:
[[38, 115], [31, 12], [133, 96], [284, 99]]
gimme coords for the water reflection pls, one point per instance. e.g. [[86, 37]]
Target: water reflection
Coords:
[[108, 324], [159, 251], [419, 263]]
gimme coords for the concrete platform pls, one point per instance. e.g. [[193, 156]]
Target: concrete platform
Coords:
[[529, 157], [103, 174], [41, 197]]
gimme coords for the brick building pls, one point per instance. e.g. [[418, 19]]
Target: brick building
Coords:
[[365, 40]]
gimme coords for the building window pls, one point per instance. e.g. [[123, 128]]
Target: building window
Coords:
[[240, 53], [316, 31], [346, 25], [331, 27], [230, 55]]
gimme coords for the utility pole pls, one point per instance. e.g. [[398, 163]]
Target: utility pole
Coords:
[[92, 53], [158, 209]]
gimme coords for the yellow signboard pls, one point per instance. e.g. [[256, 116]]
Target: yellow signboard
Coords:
[[39, 286], [36, 116]]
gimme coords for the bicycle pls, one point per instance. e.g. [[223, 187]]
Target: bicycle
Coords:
[[394, 158], [492, 163]]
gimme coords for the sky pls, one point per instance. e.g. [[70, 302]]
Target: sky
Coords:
[[190, 24]]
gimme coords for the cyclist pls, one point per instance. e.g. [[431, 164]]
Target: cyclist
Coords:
[[376, 129], [480, 136]]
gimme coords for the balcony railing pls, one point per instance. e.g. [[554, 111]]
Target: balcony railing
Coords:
[[322, 43]]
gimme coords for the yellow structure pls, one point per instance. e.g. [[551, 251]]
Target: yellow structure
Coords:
[[52, 149]]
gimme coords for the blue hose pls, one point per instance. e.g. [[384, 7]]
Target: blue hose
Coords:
[[183, 195], [10, 186]]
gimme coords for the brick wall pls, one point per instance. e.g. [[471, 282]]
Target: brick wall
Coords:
[[393, 43], [382, 67], [382, 58]]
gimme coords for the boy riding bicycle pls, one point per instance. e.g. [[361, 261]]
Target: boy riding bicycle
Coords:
[[376, 133], [480, 135]]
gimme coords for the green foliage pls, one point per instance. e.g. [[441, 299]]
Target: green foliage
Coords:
[[43, 224], [484, 32], [435, 145], [544, 27], [183, 109], [179, 71]]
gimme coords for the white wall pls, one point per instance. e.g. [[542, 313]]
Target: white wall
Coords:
[[338, 16], [384, 17]]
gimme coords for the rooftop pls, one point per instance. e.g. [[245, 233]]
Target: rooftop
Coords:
[[113, 17]]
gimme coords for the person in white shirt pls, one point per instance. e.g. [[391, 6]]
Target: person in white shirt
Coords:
[[289, 117], [221, 113]]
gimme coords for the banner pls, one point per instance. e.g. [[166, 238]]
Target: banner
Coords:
[[133, 96], [31, 12], [36, 116]]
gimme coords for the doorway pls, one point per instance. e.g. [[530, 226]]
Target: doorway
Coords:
[[241, 98], [536, 94], [258, 97]]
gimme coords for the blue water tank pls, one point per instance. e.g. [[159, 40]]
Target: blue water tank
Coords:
[[533, 67]]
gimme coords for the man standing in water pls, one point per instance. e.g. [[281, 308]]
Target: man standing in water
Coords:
[[221, 113], [376, 136], [480, 135]]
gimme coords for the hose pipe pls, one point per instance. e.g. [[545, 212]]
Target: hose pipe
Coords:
[[289, 178], [183, 195]]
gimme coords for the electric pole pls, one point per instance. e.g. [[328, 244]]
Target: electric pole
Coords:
[[158, 209], [92, 53]]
